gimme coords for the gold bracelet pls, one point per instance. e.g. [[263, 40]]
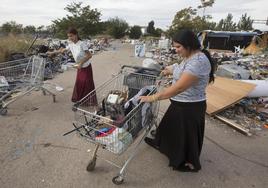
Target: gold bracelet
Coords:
[[154, 98]]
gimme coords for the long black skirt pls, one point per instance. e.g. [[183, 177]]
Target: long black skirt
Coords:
[[180, 133]]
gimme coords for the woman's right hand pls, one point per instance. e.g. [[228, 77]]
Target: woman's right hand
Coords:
[[167, 71], [49, 53], [164, 72]]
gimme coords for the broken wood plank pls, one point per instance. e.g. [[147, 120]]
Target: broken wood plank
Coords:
[[225, 92], [234, 125]]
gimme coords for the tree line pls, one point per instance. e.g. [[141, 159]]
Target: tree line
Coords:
[[188, 18], [88, 23]]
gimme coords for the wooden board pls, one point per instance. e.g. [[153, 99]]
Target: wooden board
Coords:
[[225, 92]]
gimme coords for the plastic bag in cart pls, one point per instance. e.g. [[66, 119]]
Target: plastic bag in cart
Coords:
[[116, 141]]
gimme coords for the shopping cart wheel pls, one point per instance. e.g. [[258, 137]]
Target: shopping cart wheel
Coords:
[[91, 165], [3, 111], [118, 180], [74, 108], [54, 98], [153, 133]]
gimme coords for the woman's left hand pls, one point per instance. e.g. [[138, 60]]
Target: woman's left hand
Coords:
[[147, 98], [49, 54], [79, 66]]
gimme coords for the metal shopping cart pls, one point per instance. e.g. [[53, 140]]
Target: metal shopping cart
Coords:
[[20, 77], [116, 136]]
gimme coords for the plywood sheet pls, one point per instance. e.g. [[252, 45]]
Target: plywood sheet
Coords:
[[224, 92]]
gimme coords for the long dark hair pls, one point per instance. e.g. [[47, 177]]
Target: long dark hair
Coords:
[[189, 41], [73, 31]]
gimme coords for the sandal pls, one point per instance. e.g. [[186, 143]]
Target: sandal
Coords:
[[184, 168]]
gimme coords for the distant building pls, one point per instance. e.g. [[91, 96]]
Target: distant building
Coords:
[[144, 30]]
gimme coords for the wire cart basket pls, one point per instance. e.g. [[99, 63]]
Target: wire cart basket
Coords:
[[116, 135], [20, 77]]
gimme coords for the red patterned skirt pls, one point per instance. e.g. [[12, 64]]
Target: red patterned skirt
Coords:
[[84, 84]]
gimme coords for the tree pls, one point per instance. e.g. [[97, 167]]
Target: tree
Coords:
[[187, 19], [158, 32], [245, 23], [11, 27], [226, 24], [229, 25], [29, 29], [103, 27], [182, 20], [203, 23], [150, 28], [50, 30], [135, 32], [83, 18], [117, 27], [220, 25]]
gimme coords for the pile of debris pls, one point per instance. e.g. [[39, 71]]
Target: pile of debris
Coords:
[[157, 51], [98, 45], [250, 113], [253, 67], [61, 62], [163, 56]]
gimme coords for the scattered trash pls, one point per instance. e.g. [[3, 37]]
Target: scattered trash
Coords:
[[251, 111], [164, 44], [64, 67], [3, 82], [204, 184], [247, 114], [140, 50], [59, 88], [47, 145], [34, 108], [233, 71]]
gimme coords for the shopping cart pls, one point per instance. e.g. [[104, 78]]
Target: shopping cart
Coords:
[[20, 77], [116, 136]]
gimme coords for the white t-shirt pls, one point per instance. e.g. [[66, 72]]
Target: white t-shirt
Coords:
[[78, 51], [198, 65]]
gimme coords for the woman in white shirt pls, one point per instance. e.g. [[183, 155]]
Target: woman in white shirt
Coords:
[[84, 83]]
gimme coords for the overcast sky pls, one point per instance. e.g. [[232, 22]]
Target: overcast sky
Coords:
[[135, 12]]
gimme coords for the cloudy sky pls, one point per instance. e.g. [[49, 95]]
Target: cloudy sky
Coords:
[[139, 12]]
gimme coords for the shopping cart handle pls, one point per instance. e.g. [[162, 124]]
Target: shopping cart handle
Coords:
[[75, 106], [138, 68]]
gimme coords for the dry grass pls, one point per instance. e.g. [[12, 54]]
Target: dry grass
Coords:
[[11, 44]]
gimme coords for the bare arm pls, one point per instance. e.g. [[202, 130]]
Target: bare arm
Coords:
[[55, 52], [84, 59]]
